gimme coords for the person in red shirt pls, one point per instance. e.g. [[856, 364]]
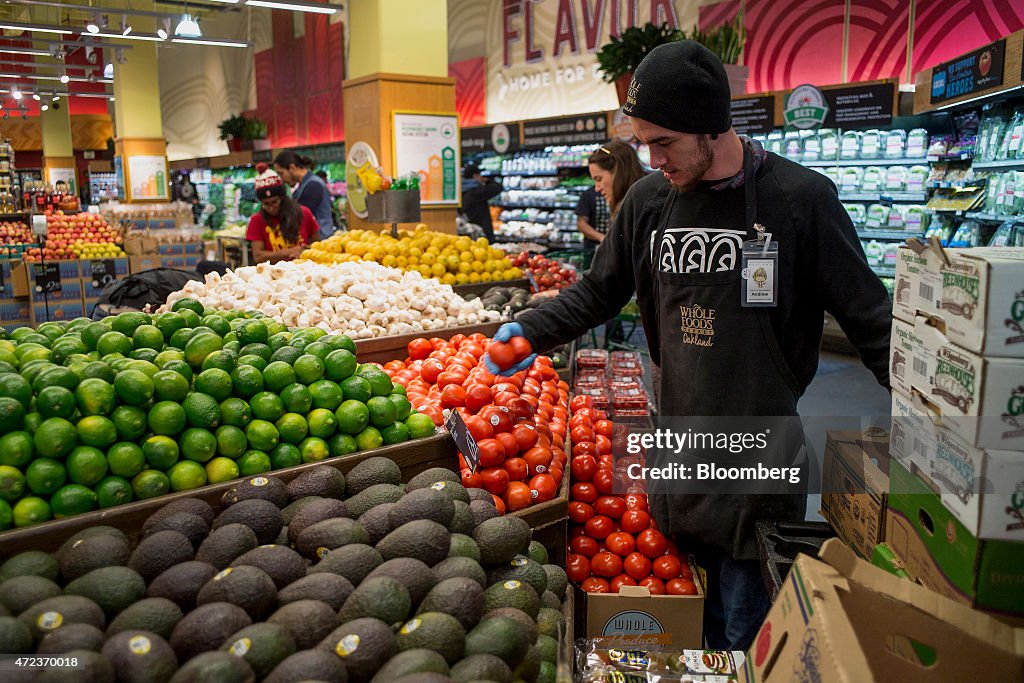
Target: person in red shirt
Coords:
[[282, 228]]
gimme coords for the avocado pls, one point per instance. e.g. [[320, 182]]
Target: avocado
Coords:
[[548, 672], [78, 557], [249, 587], [261, 487], [92, 668], [308, 665], [263, 646], [71, 637], [215, 667], [206, 627], [483, 495], [547, 647], [140, 657], [464, 546], [520, 568], [262, 516], [332, 589], [548, 599], [309, 621], [197, 507], [318, 539], [500, 636], [382, 598], [324, 481], [409, 662], [281, 563], [434, 631], [363, 645], [462, 519], [52, 613], [15, 637], [157, 553], [156, 615], [424, 677], [181, 583], [550, 622], [30, 563], [501, 538], [192, 527], [374, 470], [354, 562], [512, 593], [377, 522], [454, 490], [372, 497], [432, 476], [19, 593], [112, 588], [537, 552], [481, 668], [289, 511], [425, 503], [469, 568], [460, 597], [93, 531], [313, 513], [417, 577], [529, 668], [422, 539], [518, 615], [482, 510], [282, 537], [558, 581], [225, 544]]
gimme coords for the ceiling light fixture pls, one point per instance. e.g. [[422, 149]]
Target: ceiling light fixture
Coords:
[[188, 27], [35, 28], [64, 78], [108, 70], [213, 42], [295, 6], [45, 107], [165, 28], [126, 28], [36, 97], [15, 93], [94, 23]]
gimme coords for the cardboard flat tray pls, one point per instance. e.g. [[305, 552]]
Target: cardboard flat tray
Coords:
[[384, 349], [480, 287], [412, 457]]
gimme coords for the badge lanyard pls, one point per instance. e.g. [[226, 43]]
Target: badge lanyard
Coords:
[[759, 277]]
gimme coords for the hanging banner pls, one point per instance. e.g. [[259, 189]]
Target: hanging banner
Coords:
[[566, 130], [753, 115], [500, 138], [860, 106], [428, 144], [970, 73]]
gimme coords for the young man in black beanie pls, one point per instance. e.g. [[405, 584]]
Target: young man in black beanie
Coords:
[[735, 254]]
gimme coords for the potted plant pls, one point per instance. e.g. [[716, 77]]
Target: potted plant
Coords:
[[256, 133], [619, 58], [727, 42], [232, 131]]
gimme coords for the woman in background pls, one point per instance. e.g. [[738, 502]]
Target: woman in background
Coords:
[[308, 188], [282, 228]]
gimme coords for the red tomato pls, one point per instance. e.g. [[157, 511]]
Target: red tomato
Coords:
[[577, 567], [584, 492], [584, 545], [603, 444], [685, 572], [580, 512], [500, 418], [543, 487], [612, 506], [494, 479], [477, 396], [491, 452], [517, 469], [581, 434], [479, 428], [636, 501], [637, 566], [604, 427], [581, 401], [635, 521], [498, 503], [583, 467], [518, 496], [620, 543], [595, 585], [508, 442], [604, 480], [584, 448], [539, 459], [434, 413], [654, 585], [503, 398], [666, 567], [502, 355], [452, 396], [651, 543], [457, 340], [681, 587], [431, 370], [599, 527], [606, 564], [470, 479], [521, 409], [419, 348], [521, 347], [526, 435], [620, 581]]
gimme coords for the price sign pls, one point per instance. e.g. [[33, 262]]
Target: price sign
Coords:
[[103, 273], [48, 278], [533, 281], [463, 439]]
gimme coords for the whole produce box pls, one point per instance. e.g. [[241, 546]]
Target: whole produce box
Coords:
[[855, 483]]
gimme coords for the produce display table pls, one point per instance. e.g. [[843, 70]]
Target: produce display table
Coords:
[[384, 349]]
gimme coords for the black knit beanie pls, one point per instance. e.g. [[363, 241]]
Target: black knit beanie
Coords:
[[681, 86]]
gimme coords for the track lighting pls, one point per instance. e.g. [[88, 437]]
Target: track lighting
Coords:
[[45, 107], [64, 78], [108, 70], [35, 96], [15, 93], [94, 24], [188, 27], [126, 28]]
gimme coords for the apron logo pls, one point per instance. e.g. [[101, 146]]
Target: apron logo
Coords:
[[697, 250], [698, 325]]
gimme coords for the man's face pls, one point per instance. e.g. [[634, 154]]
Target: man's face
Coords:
[[286, 174], [272, 205], [681, 157]]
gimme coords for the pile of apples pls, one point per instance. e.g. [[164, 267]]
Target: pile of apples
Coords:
[[14, 234], [81, 235], [548, 274]]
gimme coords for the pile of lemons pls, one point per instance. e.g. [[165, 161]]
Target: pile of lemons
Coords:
[[452, 259]]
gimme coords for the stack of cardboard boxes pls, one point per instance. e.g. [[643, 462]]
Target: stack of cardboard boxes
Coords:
[[14, 311], [147, 253]]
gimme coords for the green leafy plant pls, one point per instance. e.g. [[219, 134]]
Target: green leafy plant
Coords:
[[232, 127], [726, 41], [255, 129], [621, 56]]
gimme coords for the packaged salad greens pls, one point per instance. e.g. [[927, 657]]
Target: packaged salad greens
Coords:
[[894, 144], [917, 176], [850, 178], [793, 147], [917, 143], [873, 179], [915, 219], [858, 214], [897, 220], [811, 144], [870, 144], [878, 216], [829, 143], [849, 145], [967, 235], [896, 179]]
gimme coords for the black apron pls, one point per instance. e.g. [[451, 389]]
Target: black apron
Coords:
[[719, 358]]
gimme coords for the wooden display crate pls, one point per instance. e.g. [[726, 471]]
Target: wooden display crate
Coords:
[[412, 457], [480, 287], [384, 349]]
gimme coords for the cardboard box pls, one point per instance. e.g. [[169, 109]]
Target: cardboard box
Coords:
[[14, 311], [92, 287], [854, 485], [983, 300], [841, 620], [944, 555], [140, 246], [138, 264], [917, 288], [23, 275], [192, 261], [7, 278], [884, 557], [57, 310], [173, 262], [979, 398], [193, 248], [175, 249]]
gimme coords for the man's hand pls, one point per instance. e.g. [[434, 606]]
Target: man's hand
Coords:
[[505, 333]]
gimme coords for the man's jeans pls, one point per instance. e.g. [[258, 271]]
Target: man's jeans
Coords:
[[737, 600]]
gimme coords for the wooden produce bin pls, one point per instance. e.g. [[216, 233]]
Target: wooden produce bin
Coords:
[[384, 349], [479, 288], [412, 457], [549, 522]]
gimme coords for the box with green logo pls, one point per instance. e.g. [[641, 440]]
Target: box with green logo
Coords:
[[942, 554], [983, 300]]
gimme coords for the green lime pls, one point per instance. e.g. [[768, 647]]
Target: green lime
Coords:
[[144, 366], [279, 341], [169, 323], [56, 376], [252, 360], [231, 345], [114, 342], [221, 469], [308, 368], [191, 318], [71, 500], [382, 411], [12, 483], [262, 435], [217, 324], [186, 475], [287, 354], [311, 334], [168, 385], [352, 416], [253, 462], [299, 343], [202, 410], [16, 449], [95, 396], [181, 338], [247, 380], [420, 426], [148, 337], [125, 459], [314, 449], [16, 387], [380, 381], [326, 394], [55, 437], [403, 408], [356, 389], [267, 406], [168, 355], [297, 398], [396, 432], [92, 332], [126, 323], [277, 376], [318, 349], [30, 370], [133, 387], [51, 330], [12, 413], [181, 367], [215, 382], [97, 431], [226, 359], [200, 346], [231, 441], [150, 484], [45, 475], [285, 455], [322, 423], [252, 332], [198, 445], [342, 444], [147, 355], [31, 510], [261, 350], [160, 452], [113, 491], [86, 466], [188, 303], [339, 365], [235, 412], [32, 422], [130, 422], [292, 427], [66, 347], [369, 439], [166, 418], [9, 361]]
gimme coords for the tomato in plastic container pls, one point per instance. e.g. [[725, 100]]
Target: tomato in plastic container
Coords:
[[592, 358]]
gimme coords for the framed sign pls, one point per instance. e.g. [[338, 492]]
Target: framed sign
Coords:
[[428, 144], [65, 176], [147, 175]]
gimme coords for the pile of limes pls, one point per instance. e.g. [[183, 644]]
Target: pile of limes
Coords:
[[95, 414]]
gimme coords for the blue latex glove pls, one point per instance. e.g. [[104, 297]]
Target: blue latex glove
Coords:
[[504, 333]]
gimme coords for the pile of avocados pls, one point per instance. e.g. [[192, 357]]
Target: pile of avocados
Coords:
[[500, 298], [346, 579]]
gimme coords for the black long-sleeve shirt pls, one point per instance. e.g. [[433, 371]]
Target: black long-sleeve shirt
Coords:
[[822, 268]]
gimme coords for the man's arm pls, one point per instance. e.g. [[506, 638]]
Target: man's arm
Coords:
[[589, 231]]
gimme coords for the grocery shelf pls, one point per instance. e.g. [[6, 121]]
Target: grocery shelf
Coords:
[[962, 156], [959, 187], [884, 196], [887, 234], [863, 162], [982, 216], [884, 271], [521, 174], [534, 205], [1004, 164], [14, 214]]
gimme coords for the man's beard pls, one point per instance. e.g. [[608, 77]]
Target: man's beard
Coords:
[[695, 171]]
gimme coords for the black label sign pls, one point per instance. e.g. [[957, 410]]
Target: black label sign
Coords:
[[203, 162], [860, 106], [974, 71], [753, 115], [456, 426], [47, 278], [500, 138], [264, 155], [103, 273], [567, 130], [331, 153]]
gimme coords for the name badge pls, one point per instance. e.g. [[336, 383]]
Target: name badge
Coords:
[[759, 279]]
